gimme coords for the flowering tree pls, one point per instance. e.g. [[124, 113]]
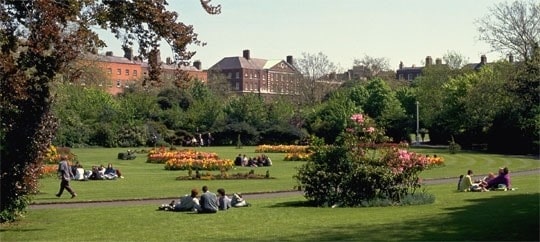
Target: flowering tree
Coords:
[[361, 166]]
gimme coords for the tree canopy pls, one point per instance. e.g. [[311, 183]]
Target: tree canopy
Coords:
[[38, 40]]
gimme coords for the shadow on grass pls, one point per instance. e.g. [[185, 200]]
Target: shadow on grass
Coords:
[[501, 218], [292, 204]]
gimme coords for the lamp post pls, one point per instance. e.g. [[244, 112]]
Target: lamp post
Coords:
[[417, 124]]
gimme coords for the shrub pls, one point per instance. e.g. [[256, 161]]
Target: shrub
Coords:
[[361, 168], [453, 147]]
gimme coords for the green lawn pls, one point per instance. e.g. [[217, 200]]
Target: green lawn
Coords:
[[511, 216], [146, 180], [488, 216]]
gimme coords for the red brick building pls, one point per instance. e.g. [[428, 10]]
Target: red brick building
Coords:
[[253, 75], [118, 73], [168, 70]]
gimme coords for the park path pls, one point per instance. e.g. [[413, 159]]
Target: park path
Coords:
[[248, 196]]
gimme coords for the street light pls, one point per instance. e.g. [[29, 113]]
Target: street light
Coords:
[[417, 124]]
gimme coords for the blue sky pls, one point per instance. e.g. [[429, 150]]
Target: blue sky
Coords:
[[344, 30]]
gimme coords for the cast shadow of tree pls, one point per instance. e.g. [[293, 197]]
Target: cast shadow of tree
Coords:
[[502, 218]]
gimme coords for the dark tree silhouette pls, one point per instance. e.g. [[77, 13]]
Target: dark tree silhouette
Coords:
[[38, 39]]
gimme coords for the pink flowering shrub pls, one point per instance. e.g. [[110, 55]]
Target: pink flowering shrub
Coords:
[[361, 166]]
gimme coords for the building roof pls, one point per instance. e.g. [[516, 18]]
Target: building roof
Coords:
[[239, 62], [110, 59], [271, 63], [165, 66]]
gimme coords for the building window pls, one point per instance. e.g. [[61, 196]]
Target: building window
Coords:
[[127, 72], [237, 75], [134, 72], [229, 75], [400, 77], [118, 71], [109, 70], [237, 85], [118, 83], [409, 77]]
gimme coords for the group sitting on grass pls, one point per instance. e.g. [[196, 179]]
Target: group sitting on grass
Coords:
[[501, 182], [96, 173], [208, 202], [260, 160]]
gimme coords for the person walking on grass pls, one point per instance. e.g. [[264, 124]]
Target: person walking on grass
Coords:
[[65, 174]]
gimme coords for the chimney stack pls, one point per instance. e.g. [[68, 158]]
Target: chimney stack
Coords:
[[401, 65], [290, 60], [429, 61], [510, 58], [109, 53], [438, 61], [197, 64], [483, 59], [246, 54], [168, 61], [128, 52]]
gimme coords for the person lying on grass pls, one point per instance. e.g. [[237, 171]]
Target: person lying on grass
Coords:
[[188, 202]]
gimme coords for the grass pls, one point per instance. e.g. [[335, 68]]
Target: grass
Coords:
[[146, 180], [511, 216], [489, 216]]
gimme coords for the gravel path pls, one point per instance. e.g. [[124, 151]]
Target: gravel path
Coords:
[[247, 196]]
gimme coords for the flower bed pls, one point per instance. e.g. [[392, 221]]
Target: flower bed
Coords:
[[188, 159], [48, 170], [224, 176], [282, 149], [52, 157], [300, 156]]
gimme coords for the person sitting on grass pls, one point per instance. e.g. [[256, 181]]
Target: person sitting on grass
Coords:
[[237, 201], [188, 202], [113, 172], [502, 181], [467, 185], [224, 202], [208, 201]]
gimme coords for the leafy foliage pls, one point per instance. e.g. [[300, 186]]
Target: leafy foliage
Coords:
[[361, 167], [39, 39]]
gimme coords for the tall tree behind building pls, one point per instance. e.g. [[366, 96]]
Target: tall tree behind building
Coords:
[[512, 28]]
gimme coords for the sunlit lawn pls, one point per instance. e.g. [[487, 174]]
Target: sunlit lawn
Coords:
[[512, 215], [488, 216], [146, 180]]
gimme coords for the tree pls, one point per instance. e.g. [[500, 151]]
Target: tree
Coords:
[[512, 27], [372, 66], [37, 41], [473, 100], [429, 92], [383, 106], [218, 83], [314, 68], [455, 60], [525, 112], [328, 119]]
